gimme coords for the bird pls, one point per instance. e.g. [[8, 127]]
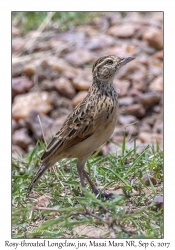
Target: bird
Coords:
[[90, 125]]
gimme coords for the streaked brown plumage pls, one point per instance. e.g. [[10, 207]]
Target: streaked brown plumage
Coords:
[[91, 123]]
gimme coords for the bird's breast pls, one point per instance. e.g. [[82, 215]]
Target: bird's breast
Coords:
[[105, 121]]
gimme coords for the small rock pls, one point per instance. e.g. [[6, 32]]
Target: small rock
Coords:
[[131, 129], [83, 80], [157, 84], [54, 43], [118, 191], [157, 109], [47, 85], [56, 113], [79, 57], [147, 178], [140, 86], [145, 127], [30, 69], [20, 138], [99, 42], [81, 84], [123, 110], [17, 151], [35, 46], [138, 76], [65, 87], [79, 97], [71, 75], [54, 97], [143, 59], [75, 36], [118, 139], [104, 150], [158, 55], [58, 65], [154, 37], [18, 44], [17, 69], [100, 23], [123, 31], [43, 76], [88, 30], [126, 119], [134, 93], [14, 125], [63, 102], [134, 17], [33, 124], [20, 85], [131, 144], [150, 120], [157, 17], [62, 106], [157, 138], [15, 31], [157, 202], [149, 99], [111, 147], [54, 128], [137, 110], [145, 137], [113, 17], [127, 71], [155, 69], [30, 147], [24, 104], [22, 123], [121, 87], [125, 101], [139, 81], [115, 50], [158, 127], [118, 131], [43, 201], [131, 49]]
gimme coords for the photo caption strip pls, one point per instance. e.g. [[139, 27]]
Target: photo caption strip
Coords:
[[82, 244]]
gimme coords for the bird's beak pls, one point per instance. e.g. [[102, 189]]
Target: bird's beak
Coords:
[[124, 60]]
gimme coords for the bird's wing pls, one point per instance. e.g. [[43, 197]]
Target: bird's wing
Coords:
[[77, 127]]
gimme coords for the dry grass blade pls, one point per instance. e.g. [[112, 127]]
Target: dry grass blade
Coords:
[[39, 31], [42, 130]]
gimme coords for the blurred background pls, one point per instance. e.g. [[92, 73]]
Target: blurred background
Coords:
[[52, 58]]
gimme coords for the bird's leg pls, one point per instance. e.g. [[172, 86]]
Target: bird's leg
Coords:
[[80, 172], [80, 166], [94, 189]]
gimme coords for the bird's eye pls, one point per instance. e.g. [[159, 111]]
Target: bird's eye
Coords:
[[109, 62]]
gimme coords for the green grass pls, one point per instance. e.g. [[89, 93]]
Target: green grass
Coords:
[[125, 216], [31, 20]]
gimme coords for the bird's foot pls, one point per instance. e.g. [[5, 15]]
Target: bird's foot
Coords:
[[107, 196], [95, 191], [102, 195]]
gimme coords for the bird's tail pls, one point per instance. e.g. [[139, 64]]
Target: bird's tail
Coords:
[[38, 174]]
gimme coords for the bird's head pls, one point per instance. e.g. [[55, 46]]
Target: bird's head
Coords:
[[106, 67]]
